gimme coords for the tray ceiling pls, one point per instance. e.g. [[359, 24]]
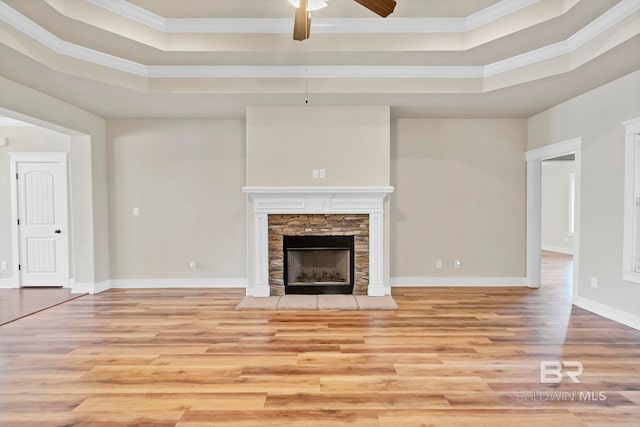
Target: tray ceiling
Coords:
[[430, 58]]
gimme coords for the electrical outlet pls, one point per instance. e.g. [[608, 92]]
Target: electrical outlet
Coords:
[[439, 263], [193, 265], [457, 263], [136, 211], [323, 173], [4, 266], [594, 282]]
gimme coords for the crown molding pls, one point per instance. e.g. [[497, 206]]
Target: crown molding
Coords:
[[62, 47], [319, 25], [495, 12], [133, 12], [589, 32], [327, 72], [601, 24]]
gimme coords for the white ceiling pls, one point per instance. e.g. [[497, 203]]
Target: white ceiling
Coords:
[[431, 58]]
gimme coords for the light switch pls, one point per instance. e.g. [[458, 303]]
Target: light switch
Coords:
[[315, 174], [323, 173], [136, 211]]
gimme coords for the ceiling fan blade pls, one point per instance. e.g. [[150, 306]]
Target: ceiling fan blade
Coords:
[[383, 8], [302, 22]]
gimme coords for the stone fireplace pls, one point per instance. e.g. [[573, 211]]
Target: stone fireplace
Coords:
[[356, 212], [319, 248]]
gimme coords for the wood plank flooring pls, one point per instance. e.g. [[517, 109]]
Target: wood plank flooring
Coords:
[[447, 357], [17, 303]]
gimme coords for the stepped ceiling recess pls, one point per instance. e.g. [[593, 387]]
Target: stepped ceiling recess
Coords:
[[212, 58]]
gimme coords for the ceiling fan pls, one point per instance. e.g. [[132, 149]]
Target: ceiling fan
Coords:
[[302, 22]]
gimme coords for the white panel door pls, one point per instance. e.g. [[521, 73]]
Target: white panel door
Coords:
[[42, 224]]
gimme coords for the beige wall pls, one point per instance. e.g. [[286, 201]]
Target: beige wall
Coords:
[[21, 139], [460, 194], [284, 145], [185, 176], [596, 116], [555, 206], [87, 172]]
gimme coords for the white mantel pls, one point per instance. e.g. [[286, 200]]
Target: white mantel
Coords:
[[317, 200]]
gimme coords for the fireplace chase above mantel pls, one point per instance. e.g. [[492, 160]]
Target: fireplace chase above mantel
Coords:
[[316, 200]]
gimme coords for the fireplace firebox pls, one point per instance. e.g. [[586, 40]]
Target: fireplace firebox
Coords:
[[318, 264]]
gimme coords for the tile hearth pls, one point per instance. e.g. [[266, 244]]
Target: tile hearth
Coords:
[[317, 302]]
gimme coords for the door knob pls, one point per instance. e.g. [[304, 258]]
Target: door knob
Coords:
[[57, 231]]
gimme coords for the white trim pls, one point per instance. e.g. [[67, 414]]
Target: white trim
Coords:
[[588, 33], [15, 244], [133, 12], [90, 288], [10, 121], [39, 157], [559, 249], [604, 310], [232, 282], [317, 200], [314, 71], [592, 30], [554, 150], [534, 223], [457, 281], [261, 255], [28, 120], [8, 283], [62, 47], [632, 130], [571, 209], [319, 25], [376, 286], [318, 190], [534, 160], [494, 12]]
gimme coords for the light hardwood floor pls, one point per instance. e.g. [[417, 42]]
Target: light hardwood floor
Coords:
[[17, 303], [447, 357]]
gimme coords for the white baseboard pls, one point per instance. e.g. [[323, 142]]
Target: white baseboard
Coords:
[[457, 281], [7, 283], [604, 310], [559, 249], [177, 283], [89, 288]]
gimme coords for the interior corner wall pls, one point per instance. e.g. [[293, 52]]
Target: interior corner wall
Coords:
[[460, 194], [87, 172], [596, 117], [185, 176]]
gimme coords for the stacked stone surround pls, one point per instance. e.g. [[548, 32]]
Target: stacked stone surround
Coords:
[[319, 225]]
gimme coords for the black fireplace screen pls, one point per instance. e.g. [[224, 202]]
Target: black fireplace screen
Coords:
[[318, 264]]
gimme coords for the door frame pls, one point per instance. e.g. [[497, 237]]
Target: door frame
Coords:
[[36, 157], [534, 160]]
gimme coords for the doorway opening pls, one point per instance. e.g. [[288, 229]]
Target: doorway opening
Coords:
[[558, 209], [566, 150]]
